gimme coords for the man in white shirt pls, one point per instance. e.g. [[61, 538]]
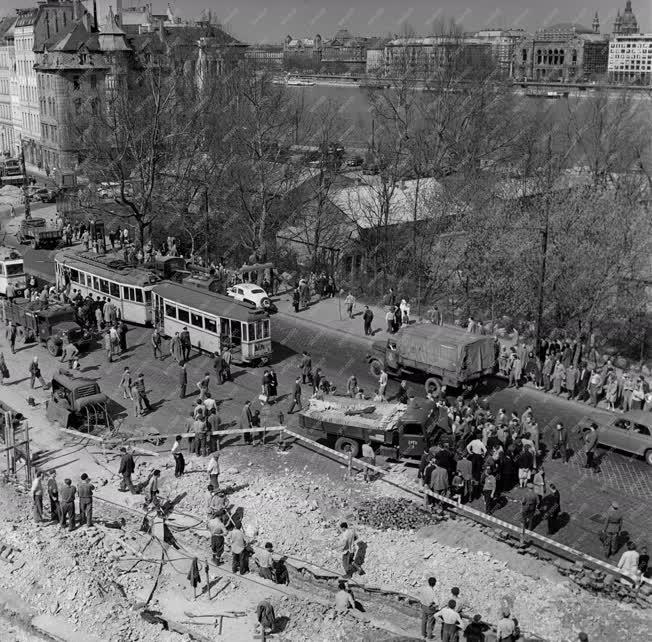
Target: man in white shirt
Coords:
[[629, 560], [37, 496], [213, 469], [428, 599], [505, 628], [382, 384], [451, 622], [152, 487], [218, 532], [343, 599], [179, 461], [347, 545]]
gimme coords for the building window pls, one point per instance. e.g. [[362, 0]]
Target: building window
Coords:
[[574, 57], [524, 55]]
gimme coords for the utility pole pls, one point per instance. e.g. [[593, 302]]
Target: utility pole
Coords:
[[28, 210], [207, 230]]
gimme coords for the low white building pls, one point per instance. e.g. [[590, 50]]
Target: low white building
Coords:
[[630, 59]]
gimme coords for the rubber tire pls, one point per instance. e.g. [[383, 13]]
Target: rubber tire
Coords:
[[375, 366], [433, 382], [53, 348], [346, 445], [648, 457]]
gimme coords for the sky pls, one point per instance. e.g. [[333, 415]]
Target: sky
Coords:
[[272, 20]]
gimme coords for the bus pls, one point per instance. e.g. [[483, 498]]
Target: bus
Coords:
[[12, 271], [214, 321], [11, 171], [108, 276]]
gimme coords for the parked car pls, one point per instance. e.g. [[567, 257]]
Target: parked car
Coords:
[[630, 432], [250, 293], [43, 194]]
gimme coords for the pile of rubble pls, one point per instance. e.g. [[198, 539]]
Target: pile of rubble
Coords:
[[389, 512]]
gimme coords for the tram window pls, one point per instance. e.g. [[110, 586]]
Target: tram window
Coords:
[[127, 293], [251, 328], [139, 295], [225, 327], [96, 283], [86, 279], [74, 276], [184, 317], [104, 286], [238, 332], [210, 325], [114, 289], [265, 329], [170, 311], [148, 296], [197, 320]]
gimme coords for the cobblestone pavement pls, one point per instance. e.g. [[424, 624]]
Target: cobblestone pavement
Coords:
[[585, 495]]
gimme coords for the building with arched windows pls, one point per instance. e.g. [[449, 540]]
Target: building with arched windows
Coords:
[[562, 53]]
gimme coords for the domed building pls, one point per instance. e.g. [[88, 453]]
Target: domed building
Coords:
[[564, 52], [626, 24]]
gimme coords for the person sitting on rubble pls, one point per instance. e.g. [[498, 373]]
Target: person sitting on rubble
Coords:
[[265, 615], [280, 571], [343, 598]]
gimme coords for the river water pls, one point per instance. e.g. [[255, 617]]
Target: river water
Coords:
[[354, 107]]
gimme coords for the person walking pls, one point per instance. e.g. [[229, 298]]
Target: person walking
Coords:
[[184, 336], [137, 402], [306, 368], [127, 468], [53, 495], [591, 444], [35, 373], [246, 417], [539, 483], [367, 319], [428, 598], [238, 545], [13, 331], [152, 487], [296, 396], [347, 544], [177, 455], [203, 386], [183, 379], [489, 490], [37, 497], [156, 341], [122, 336], [613, 524], [85, 491], [382, 384], [349, 303], [213, 470], [67, 512], [108, 346], [529, 503], [218, 366], [175, 348], [142, 392], [217, 532]]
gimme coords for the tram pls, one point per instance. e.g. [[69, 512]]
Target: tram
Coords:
[[12, 271], [214, 321], [108, 276]]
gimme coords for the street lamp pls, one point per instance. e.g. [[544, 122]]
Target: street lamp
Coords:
[[28, 212]]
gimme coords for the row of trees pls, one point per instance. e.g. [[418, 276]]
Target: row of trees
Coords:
[[479, 200]]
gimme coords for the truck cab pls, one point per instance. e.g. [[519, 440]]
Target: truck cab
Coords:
[[77, 402]]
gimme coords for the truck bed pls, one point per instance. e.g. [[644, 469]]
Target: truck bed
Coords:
[[332, 412]]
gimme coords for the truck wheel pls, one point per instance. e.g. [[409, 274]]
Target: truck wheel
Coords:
[[346, 446], [53, 348], [648, 457], [433, 385], [375, 367]]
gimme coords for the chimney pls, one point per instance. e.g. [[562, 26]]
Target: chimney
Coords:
[[75, 10], [161, 30]]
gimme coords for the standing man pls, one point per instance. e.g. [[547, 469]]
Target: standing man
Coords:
[[306, 368], [296, 396], [227, 357], [218, 532], [428, 599], [203, 386], [347, 544], [613, 523], [12, 337], [142, 392], [349, 302], [529, 504], [213, 470], [179, 461], [122, 336], [67, 505], [156, 344], [238, 546], [451, 622], [218, 366], [367, 318], [246, 417], [85, 490], [37, 496], [382, 384], [53, 494], [184, 336], [127, 468], [70, 354], [552, 503], [175, 348], [108, 346], [183, 380], [560, 444], [591, 443]]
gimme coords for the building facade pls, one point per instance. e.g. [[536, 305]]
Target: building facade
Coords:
[[8, 144], [345, 52], [265, 57], [562, 53], [630, 59], [502, 43]]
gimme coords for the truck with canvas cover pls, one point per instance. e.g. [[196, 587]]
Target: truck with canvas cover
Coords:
[[395, 430], [50, 324], [445, 355]]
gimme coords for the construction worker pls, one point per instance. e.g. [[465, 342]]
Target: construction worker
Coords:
[[67, 495]]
